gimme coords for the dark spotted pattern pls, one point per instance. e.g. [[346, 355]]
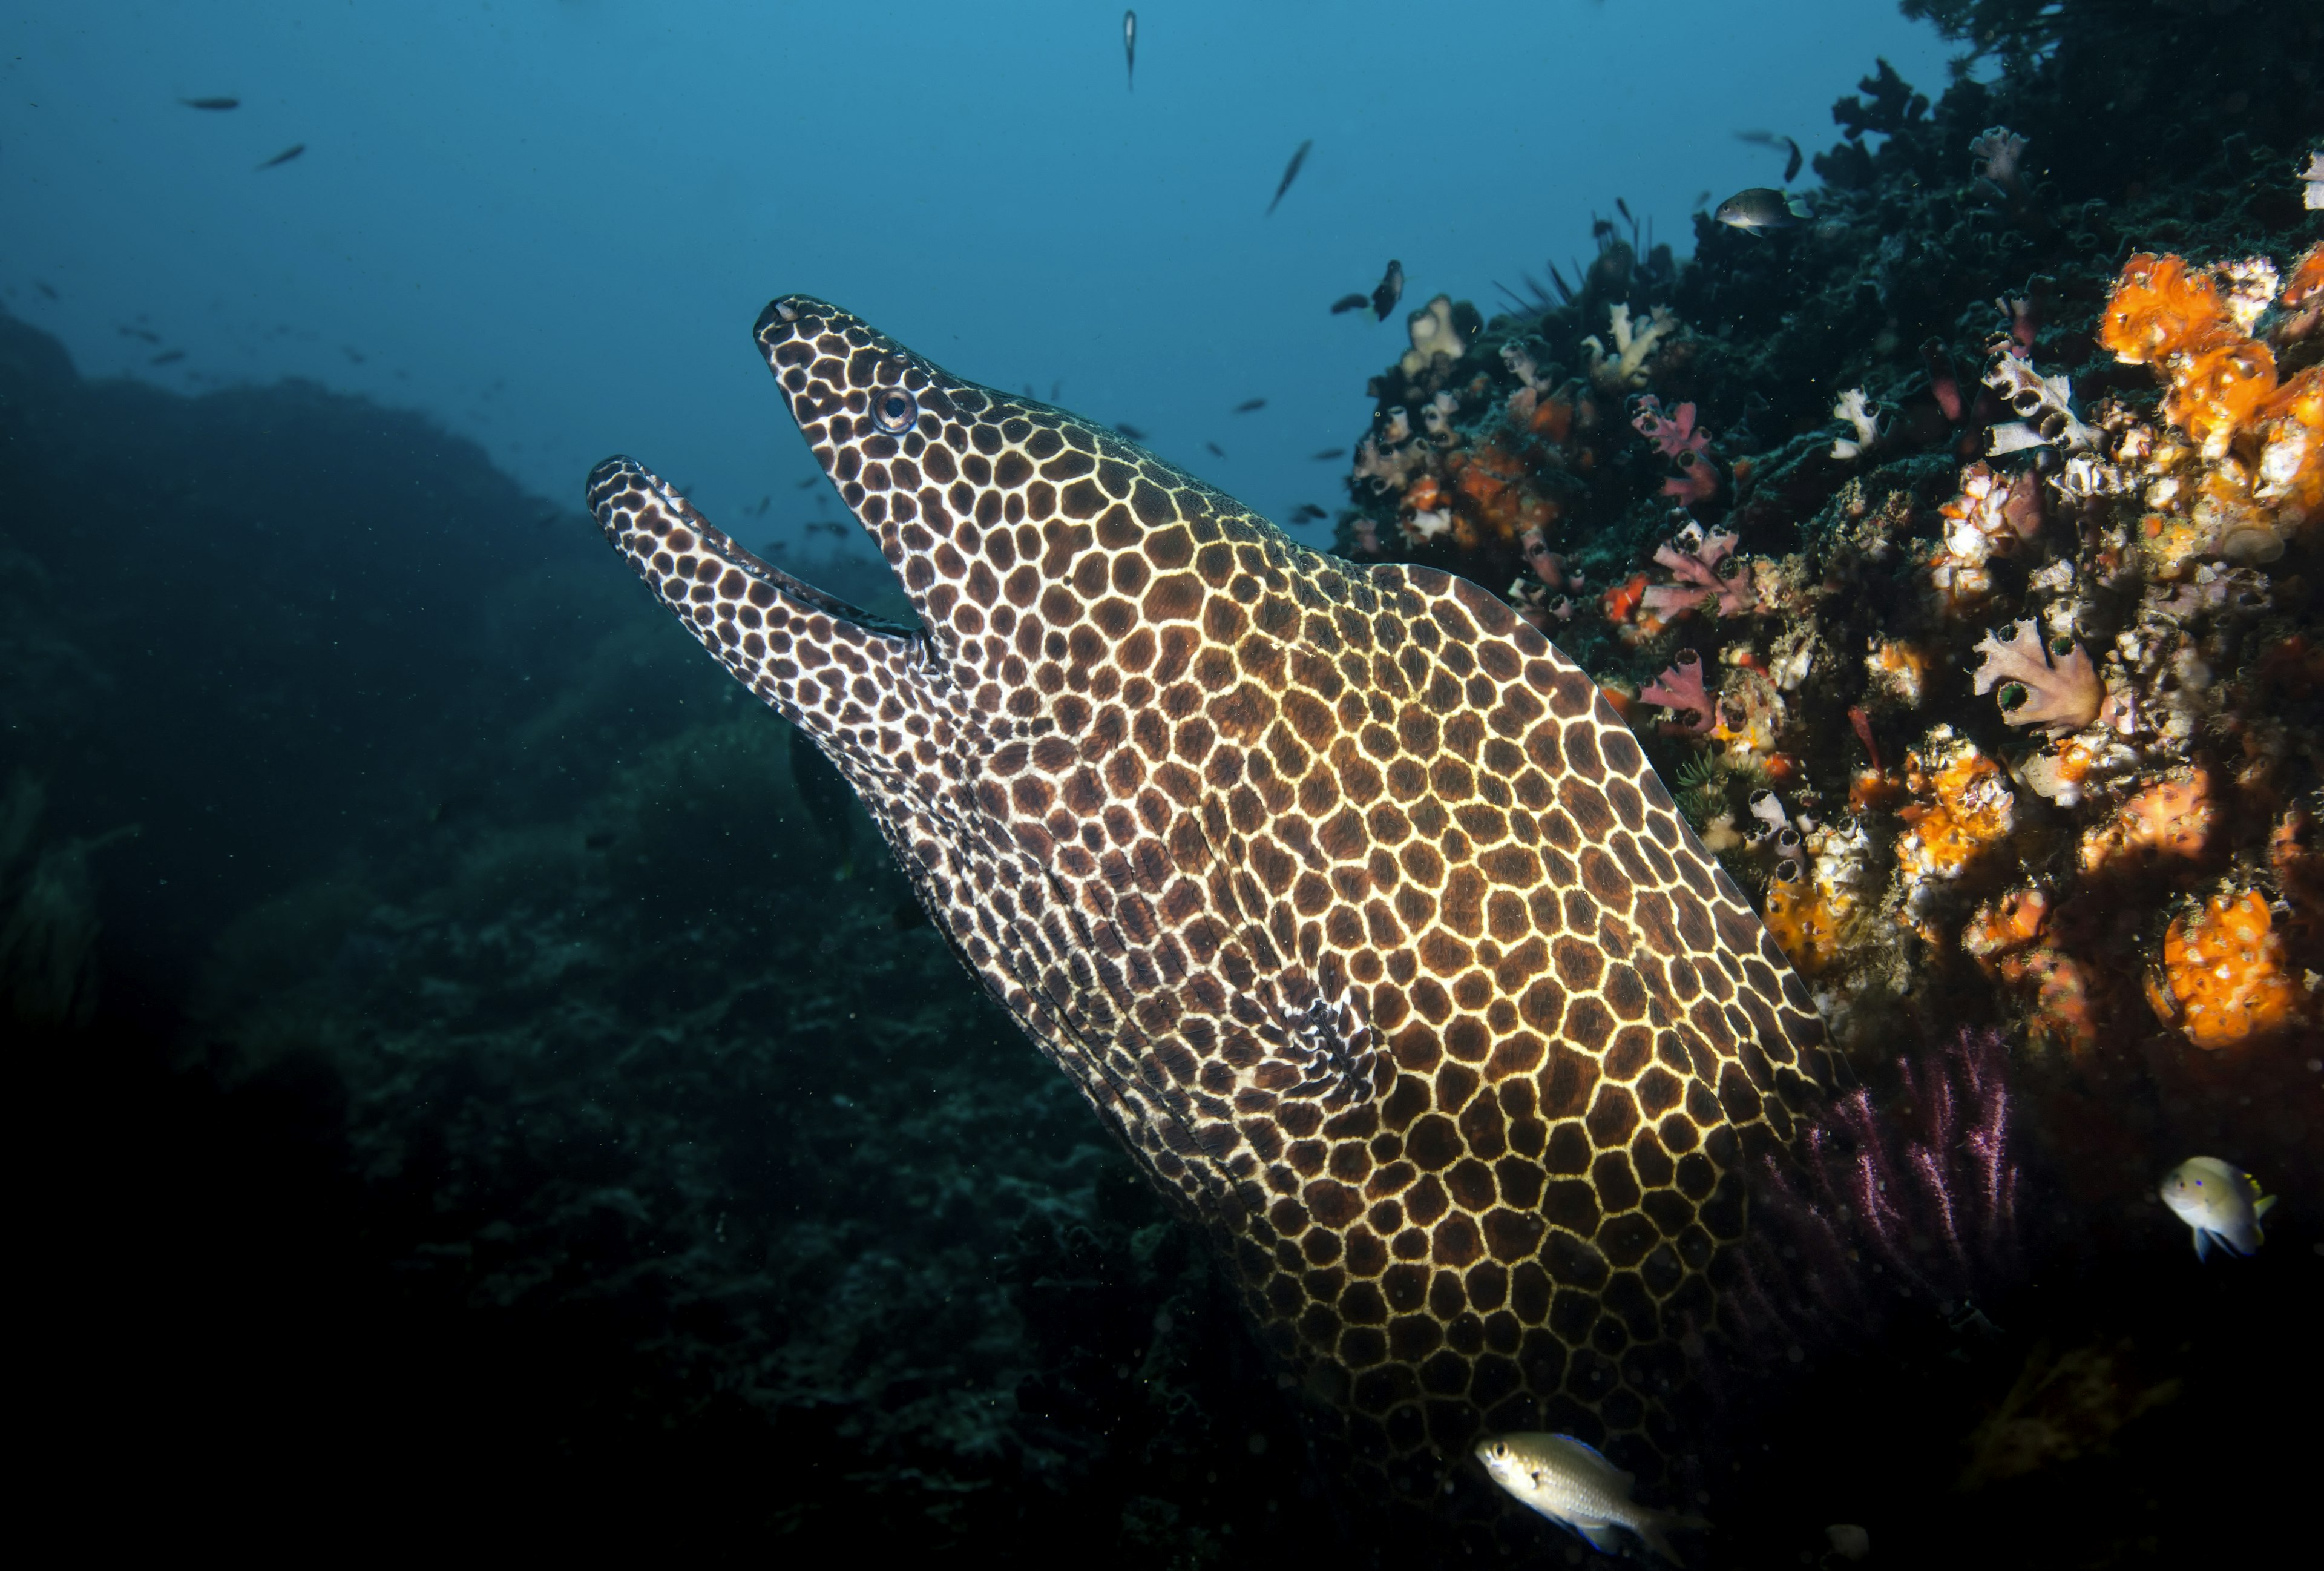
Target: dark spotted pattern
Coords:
[[1346, 899]]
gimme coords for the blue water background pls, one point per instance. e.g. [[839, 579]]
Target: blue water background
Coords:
[[551, 225]]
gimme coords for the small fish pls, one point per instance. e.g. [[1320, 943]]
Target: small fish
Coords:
[[285, 156], [809, 481], [1578, 1490], [1307, 512], [1350, 303], [2219, 1202], [1391, 290], [211, 103], [1129, 46], [1760, 209], [353, 354], [149, 337], [1768, 139], [761, 511], [1216, 451], [1250, 406], [1291, 172], [168, 357], [1131, 431], [44, 289], [1328, 454]]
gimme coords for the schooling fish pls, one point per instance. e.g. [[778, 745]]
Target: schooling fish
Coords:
[[168, 357], [1307, 512], [1131, 431], [2219, 1202], [1250, 406], [286, 155], [211, 103], [1129, 46], [1216, 451], [1328, 454], [1350, 303], [1760, 209], [1291, 172], [1391, 290], [1578, 1490]]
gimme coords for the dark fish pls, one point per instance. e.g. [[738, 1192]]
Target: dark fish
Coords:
[[352, 352], [1291, 172], [1768, 139], [286, 155], [1131, 431], [1216, 451], [150, 337], [1250, 406], [761, 511], [211, 103], [1391, 290], [810, 480], [168, 357], [1129, 46], [1760, 209], [1328, 454], [44, 289], [1350, 303], [1307, 512]]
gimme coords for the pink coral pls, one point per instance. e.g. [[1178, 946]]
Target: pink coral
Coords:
[[1677, 438], [1999, 152], [1673, 436], [1546, 564], [1679, 689], [2061, 686], [1698, 580]]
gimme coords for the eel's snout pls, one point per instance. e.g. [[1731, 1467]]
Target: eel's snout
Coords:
[[691, 564]]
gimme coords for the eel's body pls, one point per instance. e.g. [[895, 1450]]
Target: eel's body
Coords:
[[1345, 898]]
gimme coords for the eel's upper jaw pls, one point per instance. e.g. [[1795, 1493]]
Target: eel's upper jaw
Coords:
[[634, 506]]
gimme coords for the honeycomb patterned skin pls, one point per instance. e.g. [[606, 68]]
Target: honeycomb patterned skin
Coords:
[[1348, 901]]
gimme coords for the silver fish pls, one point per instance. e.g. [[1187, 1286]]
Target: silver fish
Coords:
[[1129, 46], [1578, 1490], [1758, 208], [2219, 1202]]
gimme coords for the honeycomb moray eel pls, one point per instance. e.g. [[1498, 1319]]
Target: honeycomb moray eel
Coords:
[[1348, 901]]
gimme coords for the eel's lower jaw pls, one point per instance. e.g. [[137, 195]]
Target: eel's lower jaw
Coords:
[[619, 476]]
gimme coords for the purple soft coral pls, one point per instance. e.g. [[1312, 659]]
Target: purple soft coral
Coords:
[[1698, 580], [1919, 1199]]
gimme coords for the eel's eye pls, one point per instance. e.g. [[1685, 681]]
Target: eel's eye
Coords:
[[895, 411]]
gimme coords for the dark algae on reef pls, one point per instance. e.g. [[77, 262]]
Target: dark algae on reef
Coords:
[[477, 1075]]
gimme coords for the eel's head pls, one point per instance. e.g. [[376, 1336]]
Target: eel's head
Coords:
[[1347, 900]]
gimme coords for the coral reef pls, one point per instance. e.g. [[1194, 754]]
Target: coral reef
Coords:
[[2026, 662]]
